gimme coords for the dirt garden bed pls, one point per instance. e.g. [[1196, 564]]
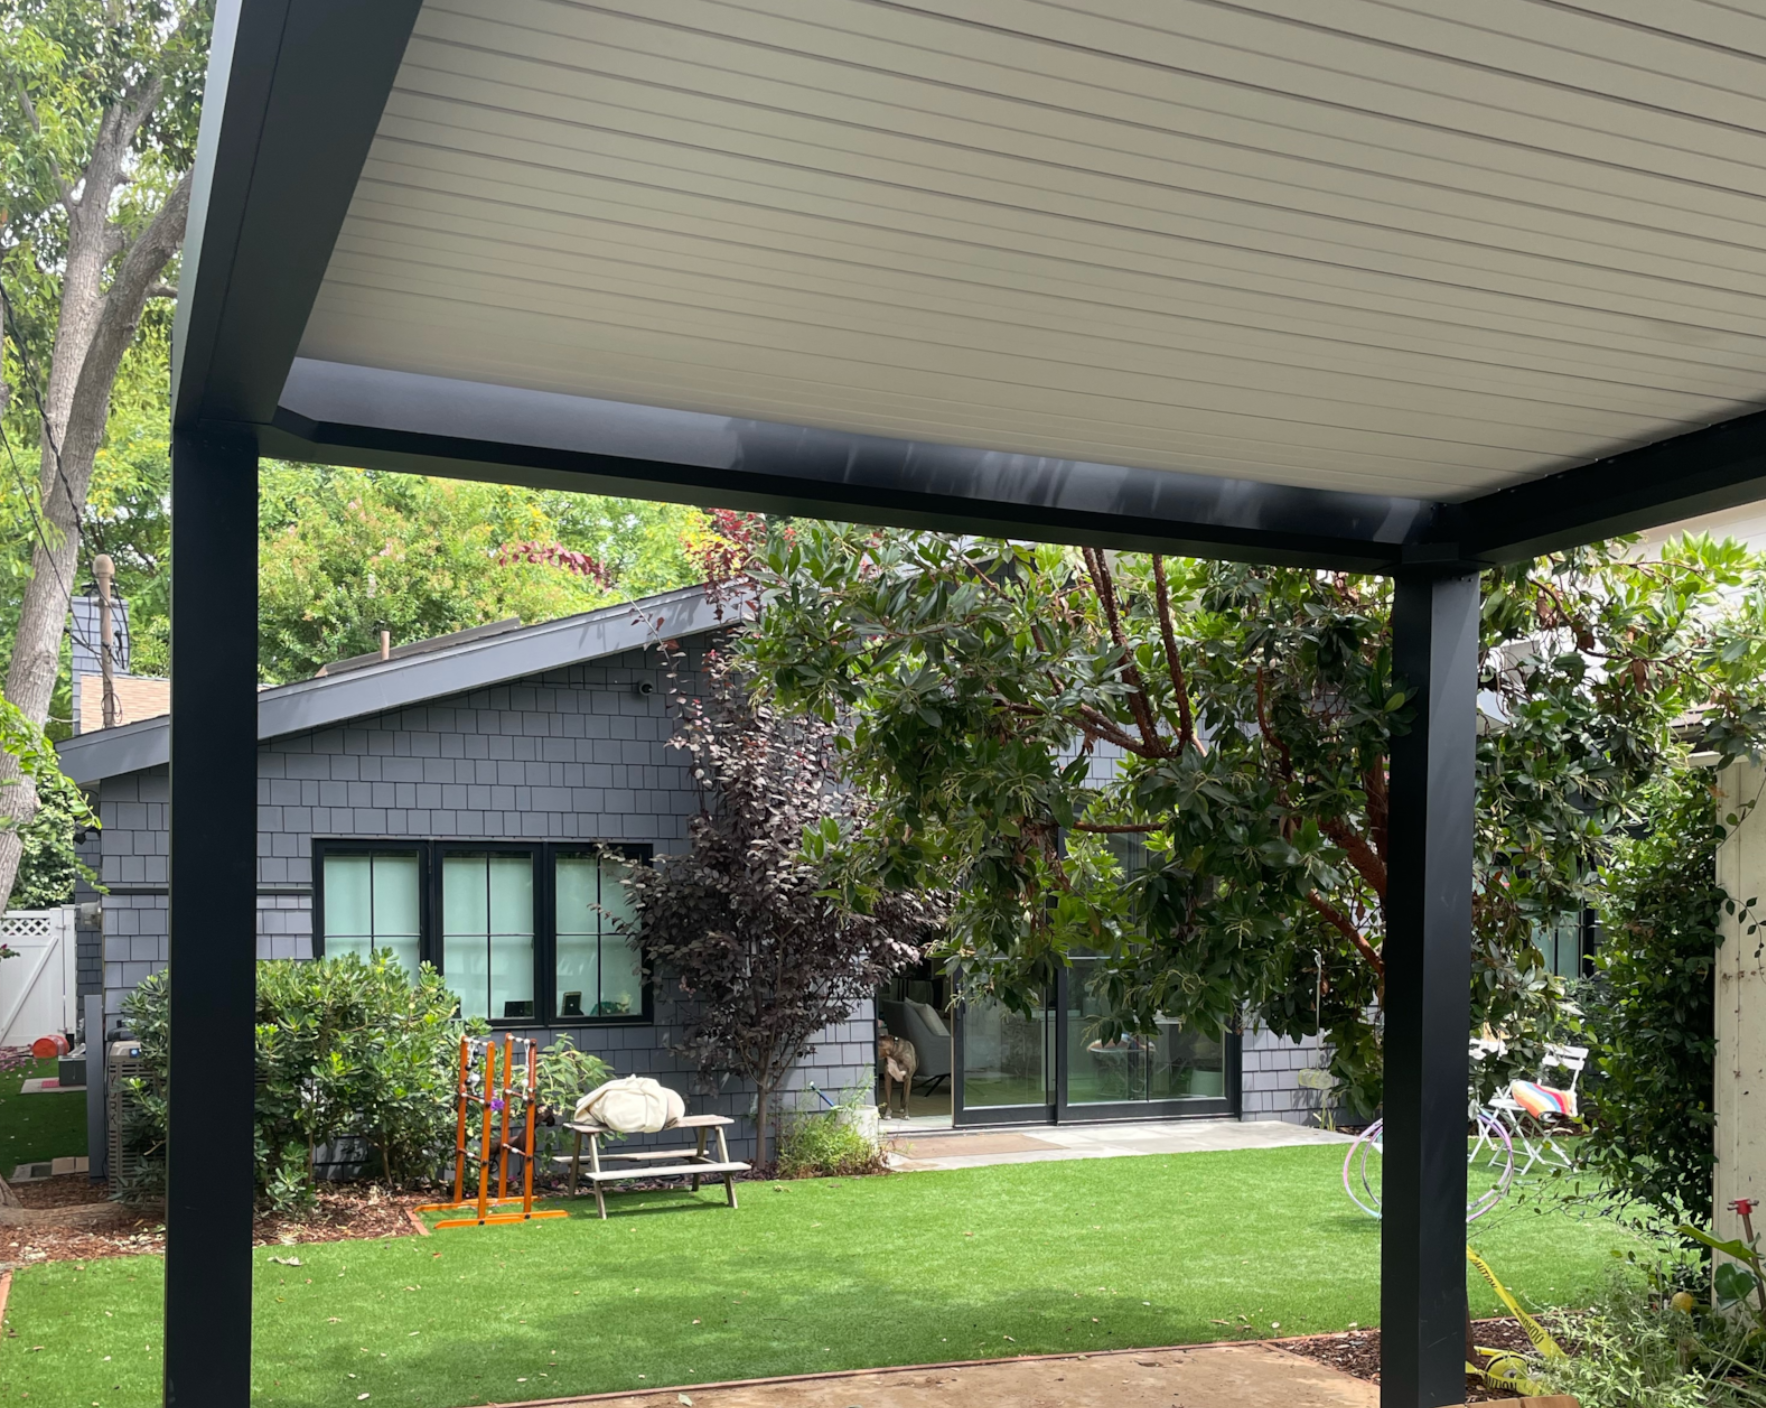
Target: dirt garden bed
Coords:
[[1357, 1352]]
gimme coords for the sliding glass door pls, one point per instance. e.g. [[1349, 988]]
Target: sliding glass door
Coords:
[[1004, 1064], [1056, 1064], [1168, 1072]]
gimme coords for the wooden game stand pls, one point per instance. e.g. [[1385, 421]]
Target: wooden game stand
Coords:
[[495, 1103]]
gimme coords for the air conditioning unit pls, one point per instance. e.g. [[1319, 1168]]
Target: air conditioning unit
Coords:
[[122, 1063]]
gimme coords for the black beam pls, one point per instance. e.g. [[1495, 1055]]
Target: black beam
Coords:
[[1428, 952], [295, 93], [339, 414], [1704, 471], [210, 1174]]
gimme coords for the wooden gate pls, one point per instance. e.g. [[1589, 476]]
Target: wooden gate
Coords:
[[38, 988]]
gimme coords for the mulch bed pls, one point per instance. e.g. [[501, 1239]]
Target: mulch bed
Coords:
[[95, 1227], [1357, 1352]]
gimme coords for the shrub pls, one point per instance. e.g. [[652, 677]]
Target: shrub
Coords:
[[347, 1050], [828, 1144], [566, 1075], [1634, 1350], [1649, 1010]]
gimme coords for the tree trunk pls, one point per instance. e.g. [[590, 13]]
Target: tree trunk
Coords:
[[763, 1099], [94, 330]]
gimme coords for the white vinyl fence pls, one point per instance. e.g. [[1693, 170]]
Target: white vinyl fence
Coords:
[[39, 988]]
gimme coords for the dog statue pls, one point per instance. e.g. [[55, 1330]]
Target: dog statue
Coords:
[[896, 1056]]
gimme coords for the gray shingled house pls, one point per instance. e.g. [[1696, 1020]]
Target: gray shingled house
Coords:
[[455, 801]]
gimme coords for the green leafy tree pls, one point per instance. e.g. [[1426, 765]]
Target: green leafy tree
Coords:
[[49, 865], [1252, 710], [345, 553], [1649, 1011], [97, 141]]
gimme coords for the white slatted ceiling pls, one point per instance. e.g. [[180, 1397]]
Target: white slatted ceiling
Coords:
[[1411, 247]]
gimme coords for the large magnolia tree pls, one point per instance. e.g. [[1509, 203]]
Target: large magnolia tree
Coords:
[[98, 113], [1231, 858]]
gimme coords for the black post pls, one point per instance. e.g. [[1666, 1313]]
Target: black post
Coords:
[[213, 871], [1428, 993]]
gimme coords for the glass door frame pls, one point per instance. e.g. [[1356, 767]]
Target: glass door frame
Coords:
[[962, 1115], [1116, 1111], [1057, 1109]]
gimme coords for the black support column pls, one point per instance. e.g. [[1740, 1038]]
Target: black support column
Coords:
[[213, 875], [1428, 1001]]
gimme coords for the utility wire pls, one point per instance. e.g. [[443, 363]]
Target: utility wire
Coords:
[[18, 342]]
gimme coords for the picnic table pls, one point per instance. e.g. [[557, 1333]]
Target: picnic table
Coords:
[[652, 1163]]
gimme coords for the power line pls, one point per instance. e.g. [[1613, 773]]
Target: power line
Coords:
[[25, 486]]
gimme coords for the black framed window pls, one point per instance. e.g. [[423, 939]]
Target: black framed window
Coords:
[[489, 930], [371, 899], [598, 968], [523, 933]]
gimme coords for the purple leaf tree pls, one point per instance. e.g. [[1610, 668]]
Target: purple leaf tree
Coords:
[[747, 921]]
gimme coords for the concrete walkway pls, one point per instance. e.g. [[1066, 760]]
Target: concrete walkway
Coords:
[[1212, 1376], [916, 1149]]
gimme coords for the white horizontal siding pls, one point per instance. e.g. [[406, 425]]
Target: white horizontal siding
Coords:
[[1390, 247]]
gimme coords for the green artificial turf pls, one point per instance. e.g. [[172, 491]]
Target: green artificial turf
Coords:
[[45, 1126], [808, 1276]]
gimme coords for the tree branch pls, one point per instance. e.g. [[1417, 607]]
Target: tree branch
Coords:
[[1185, 724], [1361, 855], [162, 290], [1269, 734], [1099, 726], [68, 202], [1138, 703], [1337, 921]]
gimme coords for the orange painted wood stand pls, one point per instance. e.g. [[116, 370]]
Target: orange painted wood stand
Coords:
[[494, 1103]]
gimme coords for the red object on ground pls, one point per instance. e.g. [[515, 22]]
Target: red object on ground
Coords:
[[45, 1047]]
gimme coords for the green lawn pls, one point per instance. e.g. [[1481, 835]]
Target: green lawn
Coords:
[[817, 1275], [38, 1126]]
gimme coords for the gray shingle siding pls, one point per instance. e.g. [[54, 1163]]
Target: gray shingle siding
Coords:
[[573, 754]]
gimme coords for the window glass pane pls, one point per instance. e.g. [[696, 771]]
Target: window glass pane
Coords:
[[405, 950], [511, 975], [465, 933], [622, 979], [1186, 1065], [1005, 1057], [347, 910], [579, 880], [464, 903], [336, 945], [466, 965], [395, 901], [511, 895], [487, 934], [599, 969], [615, 900], [577, 886], [372, 904], [1099, 1071]]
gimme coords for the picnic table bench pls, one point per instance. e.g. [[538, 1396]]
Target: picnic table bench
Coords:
[[652, 1163]]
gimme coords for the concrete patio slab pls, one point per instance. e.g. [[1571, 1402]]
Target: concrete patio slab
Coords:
[[1211, 1376], [919, 1150]]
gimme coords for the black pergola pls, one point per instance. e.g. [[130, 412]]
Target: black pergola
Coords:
[[763, 254]]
